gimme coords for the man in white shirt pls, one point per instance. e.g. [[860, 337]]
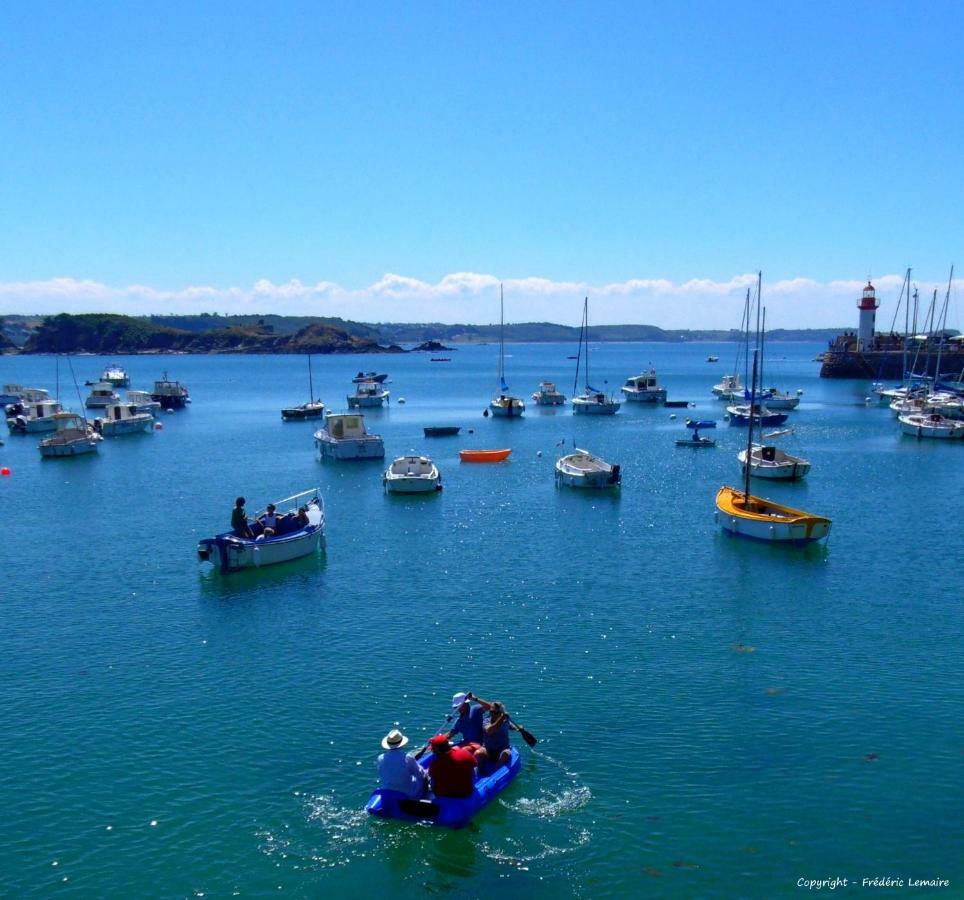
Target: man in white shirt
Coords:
[[398, 770]]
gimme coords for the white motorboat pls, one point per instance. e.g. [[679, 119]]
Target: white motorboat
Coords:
[[300, 532], [775, 399], [931, 425], [170, 394], [344, 436], [412, 475], [73, 437], [116, 375], [548, 395], [730, 388], [644, 388], [102, 394], [591, 402], [505, 405], [581, 469], [123, 418], [368, 394], [17, 393], [33, 417], [768, 461], [142, 400]]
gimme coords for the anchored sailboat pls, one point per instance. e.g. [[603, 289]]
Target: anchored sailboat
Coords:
[[590, 401], [504, 404], [313, 409]]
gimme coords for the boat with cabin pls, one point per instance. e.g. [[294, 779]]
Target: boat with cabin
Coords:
[[297, 535], [644, 388], [17, 393], [368, 394], [449, 812], [73, 437], [142, 401], [33, 417], [378, 378], [548, 395], [102, 394], [344, 436], [412, 475], [116, 375], [769, 461], [170, 394], [123, 418], [591, 402], [582, 469], [505, 405]]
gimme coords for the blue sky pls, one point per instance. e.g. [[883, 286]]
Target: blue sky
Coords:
[[195, 151]]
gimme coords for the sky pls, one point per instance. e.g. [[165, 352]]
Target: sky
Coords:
[[398, 162]]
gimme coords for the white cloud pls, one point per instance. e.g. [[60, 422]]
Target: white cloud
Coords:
[[472, 297]]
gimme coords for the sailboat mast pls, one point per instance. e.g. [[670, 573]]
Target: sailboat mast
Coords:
[[311, 383], [749, 436], [501, 338], [585, 314], [942, 327], [907, 324], [582, 330], [762, 355]]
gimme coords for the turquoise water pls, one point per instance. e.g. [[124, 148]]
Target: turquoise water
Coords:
[[716, 719]]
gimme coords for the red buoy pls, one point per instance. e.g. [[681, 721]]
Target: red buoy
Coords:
[[5, 472]]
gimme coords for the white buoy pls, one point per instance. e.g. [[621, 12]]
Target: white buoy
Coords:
[[538, 453], [672, 415], [401, 399], [799, 392], [170, 412]]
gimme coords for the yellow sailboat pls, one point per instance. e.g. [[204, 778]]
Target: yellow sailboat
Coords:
[[740, 514]]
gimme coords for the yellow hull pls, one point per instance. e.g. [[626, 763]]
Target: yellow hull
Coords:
[[764, 520]]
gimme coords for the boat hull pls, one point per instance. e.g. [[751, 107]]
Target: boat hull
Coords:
[[768, 522], [366, 402], [350, 448], [483, 456], [127, 426], [412, 485], [73, 448], [514, 409], [918, 427], [447, 812], [441, 430], [300, 413], [643, 396], [232, 554], [582, 408], [32, 426]]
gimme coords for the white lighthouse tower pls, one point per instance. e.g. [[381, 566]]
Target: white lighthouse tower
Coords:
[[868, 313]]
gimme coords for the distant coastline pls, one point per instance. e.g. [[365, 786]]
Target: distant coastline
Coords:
[[111, 334]]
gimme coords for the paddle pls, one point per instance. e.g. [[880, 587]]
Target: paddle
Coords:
[[420, 753], [527, 736]]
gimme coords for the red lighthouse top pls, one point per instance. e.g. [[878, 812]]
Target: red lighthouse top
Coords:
[[869, 298]]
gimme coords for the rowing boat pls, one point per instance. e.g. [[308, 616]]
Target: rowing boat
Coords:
[[484, 456]]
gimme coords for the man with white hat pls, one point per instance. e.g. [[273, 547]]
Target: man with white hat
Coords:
[[398, 770], [469, 723]]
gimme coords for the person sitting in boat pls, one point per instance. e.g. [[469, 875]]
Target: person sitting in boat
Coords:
[[269, 521], [495, 735], [239, 521], [398, 770], [452, 769], [469, 724]]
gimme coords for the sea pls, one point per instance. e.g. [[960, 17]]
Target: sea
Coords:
[[715, 718]]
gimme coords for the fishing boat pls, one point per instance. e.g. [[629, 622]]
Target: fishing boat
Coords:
[[370, 376], [291, 540], [484, 456], [590, 402], [368, 394], [28, 417], [729, 388], [116, 376], [313, 409], [644, 388], [931, 425], [412, 475], [548, 395], [170, 394], [505, 405], [102, 394], [449, 812], [696, 441], [143, 402], [344, 436], [441, 430], [740, 514], [123, 418], [581, 469], [73, 437], [769, 461], [17, 393]]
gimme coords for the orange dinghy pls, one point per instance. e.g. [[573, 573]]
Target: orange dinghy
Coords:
[[484, 455]]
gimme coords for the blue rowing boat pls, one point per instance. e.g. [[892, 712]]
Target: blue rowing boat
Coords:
[[449, 812]]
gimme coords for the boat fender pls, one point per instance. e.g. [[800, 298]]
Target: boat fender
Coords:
[[485, 414]]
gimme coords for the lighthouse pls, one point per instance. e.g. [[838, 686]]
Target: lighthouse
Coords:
[[868, 312]]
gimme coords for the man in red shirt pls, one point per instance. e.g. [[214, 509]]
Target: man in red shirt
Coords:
[[452, 769]]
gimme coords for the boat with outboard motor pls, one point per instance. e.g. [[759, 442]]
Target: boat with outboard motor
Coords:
[[344, 436], [582, 469], [412, 475], [28, 417], [367, 394], [448, 812], [293, 538]]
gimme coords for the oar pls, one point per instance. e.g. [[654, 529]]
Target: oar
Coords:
[[420, 753], [527, 736]]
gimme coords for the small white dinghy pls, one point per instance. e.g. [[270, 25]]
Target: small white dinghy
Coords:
[[931, 426], [584, 470], [412, 475]]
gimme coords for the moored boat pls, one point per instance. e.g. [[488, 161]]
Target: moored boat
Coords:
[[591, 402], [412, 475], [170, 394], [116, 375], [548, 395], [505, 405], [143, 402], [644, 388], [449, 812], [73, 437], [102, 394], [484, 456], [581, 469], [441, 430], [740, 415], [313, 409], [28, 417], [121, 418], [293, 539], [344, 436], [769, 461], [368, 394], [931, 425], [378, 378]]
